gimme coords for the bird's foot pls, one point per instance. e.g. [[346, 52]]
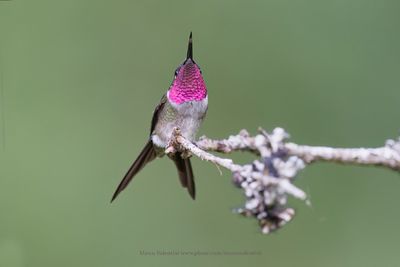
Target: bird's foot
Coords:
[[170, 150], [174, 146], [186, 154]]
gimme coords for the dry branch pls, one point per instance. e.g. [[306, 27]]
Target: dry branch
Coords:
[[267, 181]]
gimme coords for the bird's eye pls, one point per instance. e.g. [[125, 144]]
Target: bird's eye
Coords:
[[177, 69]]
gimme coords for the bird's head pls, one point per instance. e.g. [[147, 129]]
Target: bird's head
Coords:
[[188, 83]]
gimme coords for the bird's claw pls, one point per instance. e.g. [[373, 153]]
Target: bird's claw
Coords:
[[170, 150]]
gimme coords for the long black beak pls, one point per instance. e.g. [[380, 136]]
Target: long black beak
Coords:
[[190, 48]]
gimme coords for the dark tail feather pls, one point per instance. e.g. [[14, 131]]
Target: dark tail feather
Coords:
[[185, 173], [181, 167], [190, 179], [148, 154]]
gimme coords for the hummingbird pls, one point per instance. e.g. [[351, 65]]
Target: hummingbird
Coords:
[[184, 106]]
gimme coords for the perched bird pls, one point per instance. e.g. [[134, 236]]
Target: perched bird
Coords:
[[184, 106]]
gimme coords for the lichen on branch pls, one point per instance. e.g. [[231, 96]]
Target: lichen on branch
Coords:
[[268, 180]]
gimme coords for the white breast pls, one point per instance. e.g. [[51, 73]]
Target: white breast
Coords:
[[189, 117]]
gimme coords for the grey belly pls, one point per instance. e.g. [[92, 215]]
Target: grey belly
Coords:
[[188, 117]]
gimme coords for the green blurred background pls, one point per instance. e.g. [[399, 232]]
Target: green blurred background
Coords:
[[80, 79]]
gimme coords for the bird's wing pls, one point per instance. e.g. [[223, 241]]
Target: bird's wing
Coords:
[[148, 153], [156, 113]]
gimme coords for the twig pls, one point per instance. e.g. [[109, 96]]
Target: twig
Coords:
[[267, 181]]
